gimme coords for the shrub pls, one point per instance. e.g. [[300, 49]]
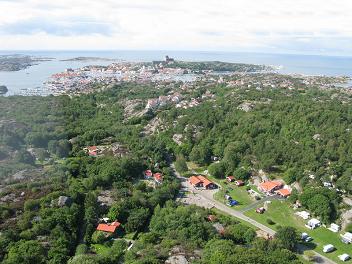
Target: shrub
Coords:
[[270, 222]]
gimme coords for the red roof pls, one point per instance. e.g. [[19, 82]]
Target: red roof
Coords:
[[205, 181], [148, 173], [284, 192], [92, 148], [270, 185], [111, 228], [231, 178], [158, 176], [240, 182], [194, 180]]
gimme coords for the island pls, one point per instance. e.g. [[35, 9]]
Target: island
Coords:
[[90, 59], [3, 89], [18, 62]]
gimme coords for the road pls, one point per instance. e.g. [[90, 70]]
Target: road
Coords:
[[202, 196]]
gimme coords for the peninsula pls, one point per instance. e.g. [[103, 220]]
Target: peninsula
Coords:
[[19, 62]]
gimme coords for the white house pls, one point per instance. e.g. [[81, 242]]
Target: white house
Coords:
[[334, 228], [344, 257], [346, 238], [328, 248], [313, 223]]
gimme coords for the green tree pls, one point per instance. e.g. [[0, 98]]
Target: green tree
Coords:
[[180, 164], [288, 237], [26, 252]]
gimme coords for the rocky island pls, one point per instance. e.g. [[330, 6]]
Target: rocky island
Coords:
[[3, 89]]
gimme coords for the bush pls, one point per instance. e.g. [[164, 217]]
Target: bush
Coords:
[[98, 237], [270, 222]]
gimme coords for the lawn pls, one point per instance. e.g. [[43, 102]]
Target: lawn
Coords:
[[239, 194], [283, 215], [100, 249]]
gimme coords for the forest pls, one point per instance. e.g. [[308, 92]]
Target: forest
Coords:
[[291, 133]]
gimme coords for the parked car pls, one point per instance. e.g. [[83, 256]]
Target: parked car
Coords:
[[232, 203], [260, 210], [308, 239], [228, 197], [304, 236]]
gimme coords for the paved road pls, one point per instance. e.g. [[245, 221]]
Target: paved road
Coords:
[[208, 197]]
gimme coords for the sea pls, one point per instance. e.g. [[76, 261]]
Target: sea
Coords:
[[34, 77]]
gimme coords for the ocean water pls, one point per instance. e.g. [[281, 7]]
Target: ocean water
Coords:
[[34, 76]]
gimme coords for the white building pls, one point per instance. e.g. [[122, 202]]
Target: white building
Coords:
[[346, 238], [313, 223]]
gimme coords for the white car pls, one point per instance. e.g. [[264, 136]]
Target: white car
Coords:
[[304, 236], [308, 239]]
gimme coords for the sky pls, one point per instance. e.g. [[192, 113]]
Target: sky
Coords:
[[269, 26]]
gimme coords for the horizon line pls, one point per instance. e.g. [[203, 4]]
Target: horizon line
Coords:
[[174, 50]]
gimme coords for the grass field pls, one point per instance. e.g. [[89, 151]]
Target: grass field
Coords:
[[100, 249], [283, 215]]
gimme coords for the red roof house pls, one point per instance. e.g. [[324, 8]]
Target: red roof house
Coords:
[[284, 192], [230, 178], [158, 177], [148, 174], [92, 150], [201, 181], [270, 186], [109, 228], [239, 183]]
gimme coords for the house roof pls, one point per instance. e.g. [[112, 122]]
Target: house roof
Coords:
[[194, 180], [284, 192], [111, 228], [158, 176], [205, 181], [230, 177], [240, 181], [148, 173], [92, 148], [270, 185]]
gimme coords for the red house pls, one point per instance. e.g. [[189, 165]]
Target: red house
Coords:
[[230, 178], [239, 183], [270, 187], [158, 177], [148, 174], [92, 151], [109, 228], [201, 181], [284, 193]]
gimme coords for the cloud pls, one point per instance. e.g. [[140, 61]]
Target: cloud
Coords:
[[67, 27], [300, 26]]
